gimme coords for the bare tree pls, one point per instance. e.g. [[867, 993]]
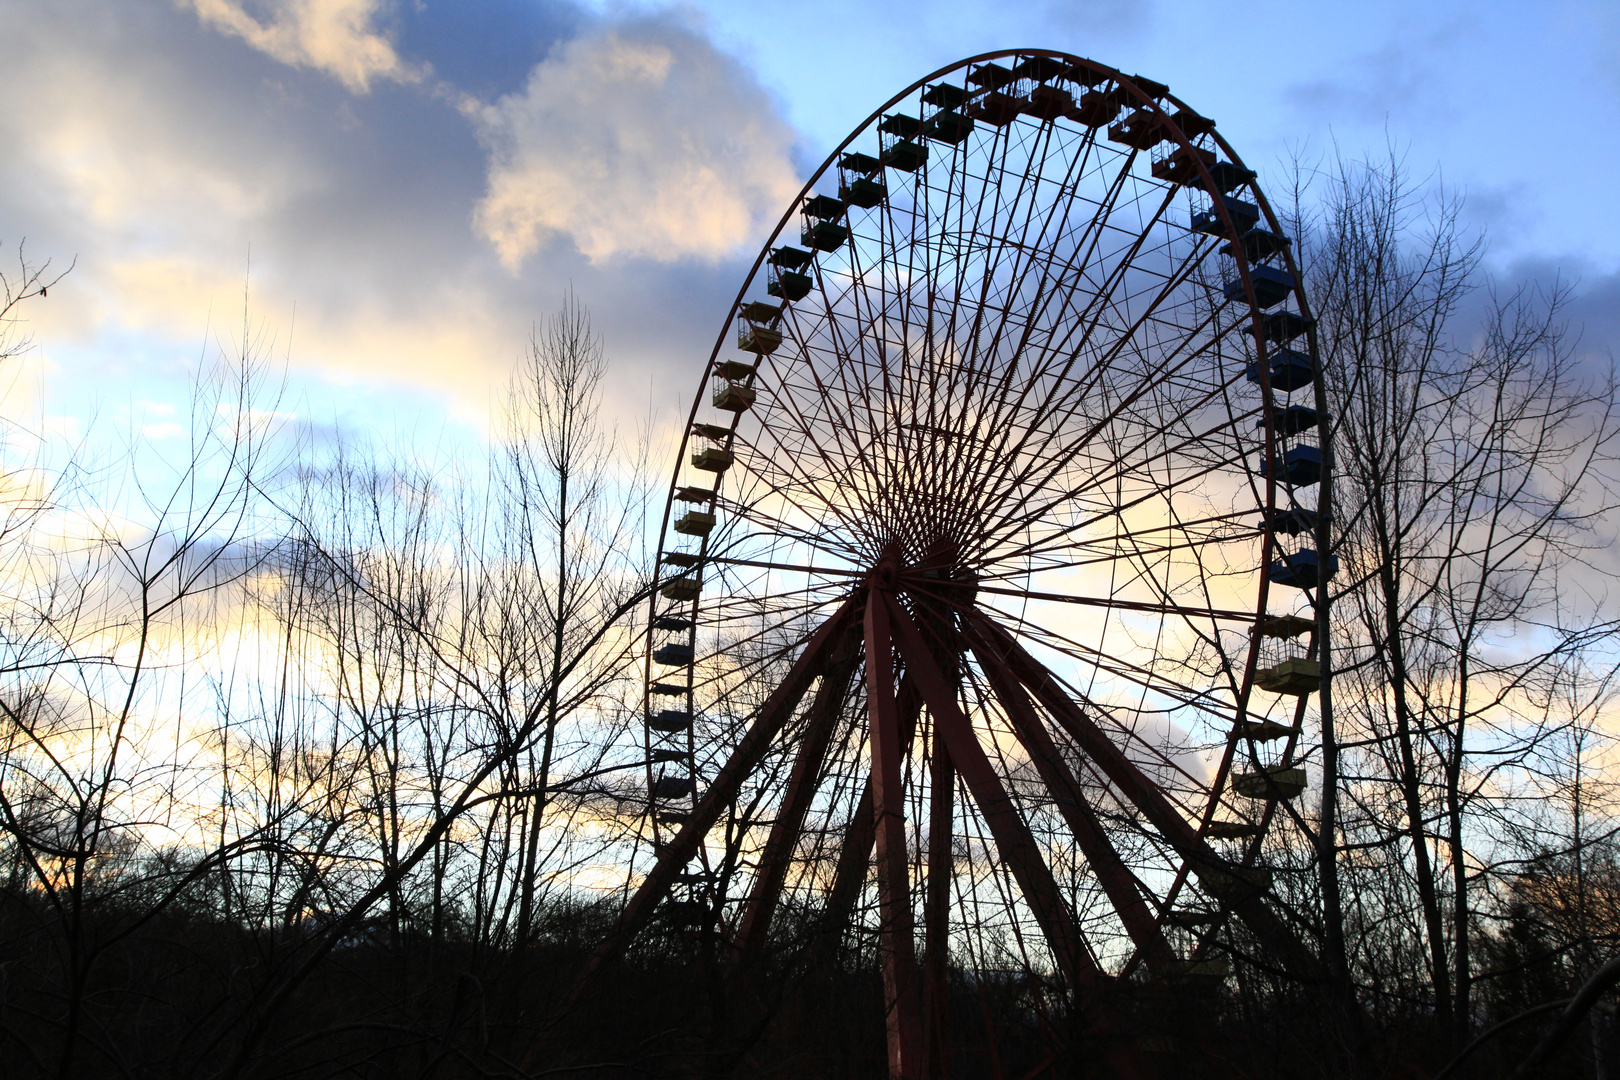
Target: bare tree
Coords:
[[108, 787], [468, 634], [1472, 466], [368, 699], [556, 484], [30, 281]]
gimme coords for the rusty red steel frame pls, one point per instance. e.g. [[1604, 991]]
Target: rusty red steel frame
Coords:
[[1005, 469]]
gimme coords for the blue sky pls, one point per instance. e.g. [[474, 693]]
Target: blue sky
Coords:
[[406, 185]]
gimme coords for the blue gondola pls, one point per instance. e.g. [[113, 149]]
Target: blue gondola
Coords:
[[1284, 326], [864, 164], [1039, 68], [673, 655], [905, 155], [863, 192], [1289, 369], [1228, 176], [1292, 420], [1293, 522], [1271, 286], [1243, 214], [823, 235], [948, 127], [824, 208], [900, 125], [790, 286], [1257, 244], [670, 720], [990, 76], [1301, 569], [672, 787], [789, 258], [1302, 465]]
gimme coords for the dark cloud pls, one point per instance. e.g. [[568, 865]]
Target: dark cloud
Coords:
[[1508, 215], [1400, 79], [1589, 312], [485, 48], [1109, 18], [1594, 314]]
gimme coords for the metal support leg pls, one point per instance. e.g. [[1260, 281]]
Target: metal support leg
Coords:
[[900, 980], [1141, 792], [855, 855], [767, 725], [1014, 843], [937, 904], [801, 789], [1112, 873]]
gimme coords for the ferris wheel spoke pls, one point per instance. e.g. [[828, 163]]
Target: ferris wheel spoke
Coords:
[[1101, 297], [1086, 249], [1079, 444], [1139, 675], [846, 515], [1122, 545], [1056, 418], [825, 539], [1214, 527], [1018, 516], [1098, 294], [861, 466], [986, 304], [788, 567], [1024, 256], [1182, 610], [1061, 536], [784, 481]]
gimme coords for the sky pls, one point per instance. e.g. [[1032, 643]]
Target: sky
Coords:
[[398, 189]]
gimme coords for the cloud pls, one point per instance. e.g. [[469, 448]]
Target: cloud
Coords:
[[188, 174], [1590, 302], [1112, 18], [333, 36], [168, 429], [640, 140], [485, 48], [1397, 79]]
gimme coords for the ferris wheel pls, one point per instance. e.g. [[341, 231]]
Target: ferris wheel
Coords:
[[989, 581]]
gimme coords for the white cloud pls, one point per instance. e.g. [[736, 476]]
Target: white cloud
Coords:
[[640, 140], [334, 36], [168, 429], [193, 181]]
